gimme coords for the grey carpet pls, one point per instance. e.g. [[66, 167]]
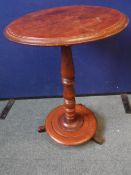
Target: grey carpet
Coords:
[[24, 151]]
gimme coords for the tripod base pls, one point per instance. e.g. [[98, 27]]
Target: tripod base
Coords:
[[83, 130]]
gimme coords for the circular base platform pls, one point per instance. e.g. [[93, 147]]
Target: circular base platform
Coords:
[[71, 136]]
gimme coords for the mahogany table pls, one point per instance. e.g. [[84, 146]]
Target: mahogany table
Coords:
[[69, 123]]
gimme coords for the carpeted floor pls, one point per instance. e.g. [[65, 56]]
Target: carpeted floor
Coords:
[[24, 151]]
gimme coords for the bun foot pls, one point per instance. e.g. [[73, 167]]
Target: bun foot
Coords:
[[41, 129], [99, 139]]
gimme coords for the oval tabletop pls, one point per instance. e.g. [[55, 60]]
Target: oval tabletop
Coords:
[[66, 25]]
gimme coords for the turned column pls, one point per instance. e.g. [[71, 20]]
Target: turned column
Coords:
[[71, 118]]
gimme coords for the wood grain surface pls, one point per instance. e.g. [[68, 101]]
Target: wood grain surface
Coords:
[[66, 25]]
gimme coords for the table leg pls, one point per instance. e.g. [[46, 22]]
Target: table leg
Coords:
[[70, 123]]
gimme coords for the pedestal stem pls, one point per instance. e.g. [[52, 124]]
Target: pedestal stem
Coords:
[[67, 73], [70, 123]]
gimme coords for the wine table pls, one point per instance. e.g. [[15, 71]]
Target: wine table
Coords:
[[69, 123]]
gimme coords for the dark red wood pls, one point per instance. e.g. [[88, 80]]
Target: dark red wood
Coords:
[[67, 73], [66, 25], [71, 123], [68, 136]]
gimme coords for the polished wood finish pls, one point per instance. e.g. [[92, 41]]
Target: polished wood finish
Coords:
[[67, 74], [70, 123], [68, 136], [66, 25]]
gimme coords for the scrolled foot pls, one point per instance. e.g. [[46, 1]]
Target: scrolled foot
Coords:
[[41, 129], [99, 139]]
